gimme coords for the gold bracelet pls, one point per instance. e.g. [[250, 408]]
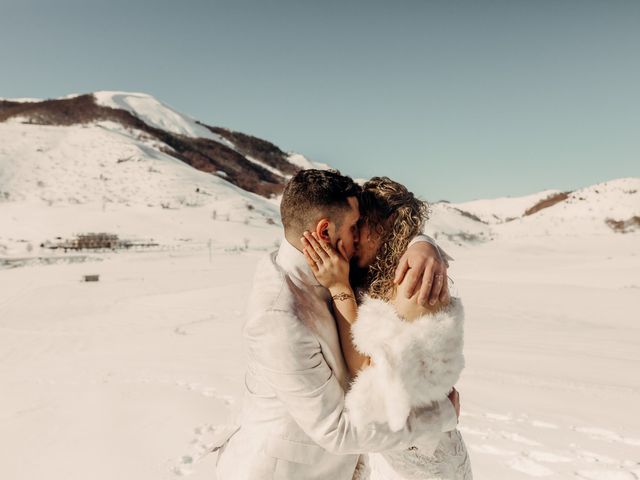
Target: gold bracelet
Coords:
[[342, 296]]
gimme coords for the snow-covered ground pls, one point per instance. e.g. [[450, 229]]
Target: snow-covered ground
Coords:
[[135, 375], [552, 352], [64, 181]]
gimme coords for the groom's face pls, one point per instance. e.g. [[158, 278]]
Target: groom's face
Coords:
[[347, 229], [369, 243]]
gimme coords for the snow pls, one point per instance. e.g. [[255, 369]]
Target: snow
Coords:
[[99, 162], [159, 115], [498, 210], [265, 166], [445, 221], [22, 99], [137, 375], [18, 119], [95, 178], [303, 162], [35, 100], [156, 114], [584, 213]]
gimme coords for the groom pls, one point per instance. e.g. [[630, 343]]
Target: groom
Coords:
[[294, 424]]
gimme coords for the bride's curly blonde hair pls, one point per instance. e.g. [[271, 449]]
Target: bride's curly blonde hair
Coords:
[[394, 213]]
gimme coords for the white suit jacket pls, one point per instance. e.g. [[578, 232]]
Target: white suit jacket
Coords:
[[294, 423]]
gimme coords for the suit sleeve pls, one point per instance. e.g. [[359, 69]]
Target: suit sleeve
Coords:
[[290, 359]]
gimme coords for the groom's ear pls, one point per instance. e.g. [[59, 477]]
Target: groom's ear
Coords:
[[324, 229]]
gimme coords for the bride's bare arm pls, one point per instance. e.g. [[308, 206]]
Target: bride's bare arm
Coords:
[[331, 269], [345, 310]]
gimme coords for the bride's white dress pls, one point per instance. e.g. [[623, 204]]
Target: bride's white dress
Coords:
[[450, 461], [413, 364]]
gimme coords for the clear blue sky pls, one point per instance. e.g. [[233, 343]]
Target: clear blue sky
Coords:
[[457, 99]]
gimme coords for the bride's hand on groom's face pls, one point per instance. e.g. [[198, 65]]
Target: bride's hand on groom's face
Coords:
[[330, 267]]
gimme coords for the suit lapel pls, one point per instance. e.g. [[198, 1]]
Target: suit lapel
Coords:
[[319, 318], [313, 306]]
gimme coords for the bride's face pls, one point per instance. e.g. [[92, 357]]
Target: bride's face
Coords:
[[368, 245]]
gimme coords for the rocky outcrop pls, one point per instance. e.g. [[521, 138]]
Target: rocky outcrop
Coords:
[[547, 202]]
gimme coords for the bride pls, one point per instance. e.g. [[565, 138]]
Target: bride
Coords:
[[400, 354]]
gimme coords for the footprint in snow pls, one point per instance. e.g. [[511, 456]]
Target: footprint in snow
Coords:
[[606, 435], [499, 417], [605, 475], [529, 467], [547, 457], [206, 439], [466, 430], [592, 457], [206, 391], [539, 424], [492, 450], [514, 437]]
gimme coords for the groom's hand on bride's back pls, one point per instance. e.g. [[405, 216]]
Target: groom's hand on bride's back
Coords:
[[423, 269]]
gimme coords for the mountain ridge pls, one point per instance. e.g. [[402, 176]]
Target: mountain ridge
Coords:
[[251, 163], [606, 207]]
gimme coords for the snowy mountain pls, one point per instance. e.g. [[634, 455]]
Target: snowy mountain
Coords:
[[606, 208], [503, 209], [62, 181], [450, 224], [246, 161], [129, 165], [612, 206]]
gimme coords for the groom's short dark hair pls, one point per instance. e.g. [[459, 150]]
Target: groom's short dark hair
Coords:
[[312, 192]]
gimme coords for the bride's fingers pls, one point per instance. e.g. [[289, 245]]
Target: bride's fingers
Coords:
[[326, 246], [310, 261], [316, 246], [310, 250], [312, 253]]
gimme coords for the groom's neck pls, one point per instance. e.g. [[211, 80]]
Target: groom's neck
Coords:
[[294, 240]]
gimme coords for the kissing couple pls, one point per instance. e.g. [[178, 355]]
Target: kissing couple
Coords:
[[353, 344]]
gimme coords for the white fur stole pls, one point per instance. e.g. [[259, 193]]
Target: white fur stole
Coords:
[[413, 363]]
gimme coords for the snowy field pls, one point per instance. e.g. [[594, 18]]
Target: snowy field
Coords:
[[133, 376]]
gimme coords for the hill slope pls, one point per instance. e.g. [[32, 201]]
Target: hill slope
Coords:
[[601, 209], [246, 161]]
